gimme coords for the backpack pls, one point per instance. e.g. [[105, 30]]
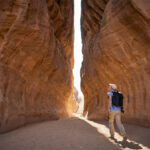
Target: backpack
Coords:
[[117, 99]]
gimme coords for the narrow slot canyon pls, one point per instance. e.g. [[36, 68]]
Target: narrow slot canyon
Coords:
[[42, 43]]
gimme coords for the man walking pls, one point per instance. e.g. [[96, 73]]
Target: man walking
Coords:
[[114, 112]]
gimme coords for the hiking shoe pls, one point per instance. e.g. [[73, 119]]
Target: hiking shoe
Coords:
[[112, 137], [124, 138]]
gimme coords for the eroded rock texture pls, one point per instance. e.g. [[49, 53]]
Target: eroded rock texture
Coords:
[[36, 60], [116, 48]]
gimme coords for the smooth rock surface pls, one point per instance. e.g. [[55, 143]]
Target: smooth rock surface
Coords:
[[36, 61], [143, 6], [116, 49]]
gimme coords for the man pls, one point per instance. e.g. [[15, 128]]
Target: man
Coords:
[[114, 114]]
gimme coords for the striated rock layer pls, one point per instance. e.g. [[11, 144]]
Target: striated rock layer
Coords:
[[116, 49], [36, 60]]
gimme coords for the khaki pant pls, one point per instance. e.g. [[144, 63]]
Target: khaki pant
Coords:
[[112, 116]]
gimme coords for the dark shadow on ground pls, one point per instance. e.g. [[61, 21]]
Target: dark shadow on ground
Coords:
[[126, 144], [136, 133]]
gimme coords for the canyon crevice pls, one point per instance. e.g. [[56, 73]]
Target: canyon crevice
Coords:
[[116, 49], [36, 59]]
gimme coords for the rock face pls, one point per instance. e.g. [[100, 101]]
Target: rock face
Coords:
[[116, 49], [36, 61]]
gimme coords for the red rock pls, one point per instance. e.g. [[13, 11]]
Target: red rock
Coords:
[[36, 61], [116, 49]]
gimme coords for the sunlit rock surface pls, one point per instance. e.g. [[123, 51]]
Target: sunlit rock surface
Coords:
[[36, 60], [116, 48]]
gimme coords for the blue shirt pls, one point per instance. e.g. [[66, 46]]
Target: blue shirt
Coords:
[[112, 107]]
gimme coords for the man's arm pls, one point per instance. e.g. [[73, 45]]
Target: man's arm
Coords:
[[109, 102]]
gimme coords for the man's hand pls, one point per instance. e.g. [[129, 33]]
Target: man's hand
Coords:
[[108, 115], [122, 110]]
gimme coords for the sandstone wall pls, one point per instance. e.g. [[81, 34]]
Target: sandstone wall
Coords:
[[116, 49], [36, 61]]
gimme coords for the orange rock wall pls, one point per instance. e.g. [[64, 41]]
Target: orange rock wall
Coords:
[[116, 49], [36, 61]]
